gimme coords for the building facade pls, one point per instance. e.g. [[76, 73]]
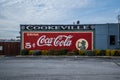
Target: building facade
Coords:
[[94, 36], [9, 48], [105, 36]]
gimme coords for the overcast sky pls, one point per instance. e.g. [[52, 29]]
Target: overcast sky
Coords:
[[16, 12]]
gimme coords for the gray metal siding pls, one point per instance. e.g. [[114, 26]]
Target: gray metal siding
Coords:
[[102, 36], [113, 30]]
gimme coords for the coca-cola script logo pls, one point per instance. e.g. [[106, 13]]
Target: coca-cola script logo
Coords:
[[60, 40]]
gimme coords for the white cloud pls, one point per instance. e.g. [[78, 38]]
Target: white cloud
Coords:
[[16, 12], [117, 11], [40, 10]]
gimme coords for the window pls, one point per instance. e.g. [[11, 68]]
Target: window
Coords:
[[112, 39]]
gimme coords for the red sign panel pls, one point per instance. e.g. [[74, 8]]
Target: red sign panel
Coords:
[[57, 40]]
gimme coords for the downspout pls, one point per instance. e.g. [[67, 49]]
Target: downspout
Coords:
[[108, 42], [118, 31]]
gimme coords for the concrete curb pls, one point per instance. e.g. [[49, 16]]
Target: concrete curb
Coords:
[[2, 55], [27, 56], [69, 56]]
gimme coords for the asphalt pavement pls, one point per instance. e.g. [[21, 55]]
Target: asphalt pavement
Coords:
[[59, 68]]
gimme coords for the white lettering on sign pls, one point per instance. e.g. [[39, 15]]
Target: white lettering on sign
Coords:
[[61, 40], [43, 41], [32, 34]]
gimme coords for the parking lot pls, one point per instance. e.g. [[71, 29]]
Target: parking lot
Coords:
[[59, 68]]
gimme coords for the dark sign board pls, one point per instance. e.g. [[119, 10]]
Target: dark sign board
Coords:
[[54, 27]]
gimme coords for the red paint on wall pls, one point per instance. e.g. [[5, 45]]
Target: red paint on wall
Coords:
[[57, 40]]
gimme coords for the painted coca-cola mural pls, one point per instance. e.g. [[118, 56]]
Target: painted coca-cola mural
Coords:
[[45, 40]]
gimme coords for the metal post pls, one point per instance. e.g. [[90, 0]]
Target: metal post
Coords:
[[119, 31]]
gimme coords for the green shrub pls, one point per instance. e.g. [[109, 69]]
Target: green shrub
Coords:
[[102, 53], [57, 52], [44, 52], [108, 53], [62, 51], [113, 52], [117, 53], [70, 53], [76, 52], [81, 52], [30, 52], [36, 52], [90, 53], [96, 52], [24, 52], [51, 52]]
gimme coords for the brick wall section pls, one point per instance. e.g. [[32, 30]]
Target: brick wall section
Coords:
[[10, 48]]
